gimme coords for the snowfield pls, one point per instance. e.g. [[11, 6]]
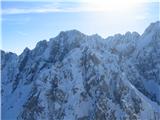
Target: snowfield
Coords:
[[79, 77]]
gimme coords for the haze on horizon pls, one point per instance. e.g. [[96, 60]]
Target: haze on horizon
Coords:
[[24, 23]]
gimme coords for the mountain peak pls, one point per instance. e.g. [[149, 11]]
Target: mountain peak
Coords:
[[153, 27], [150, 34], [78, 77], [70, 32], [135, 34]]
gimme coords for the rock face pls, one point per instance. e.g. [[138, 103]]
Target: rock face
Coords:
[[78, 77]]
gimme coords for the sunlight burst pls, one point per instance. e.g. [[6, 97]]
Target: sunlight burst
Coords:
[[105, 5]]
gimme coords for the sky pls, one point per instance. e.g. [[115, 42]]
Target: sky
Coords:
[[25, 22]]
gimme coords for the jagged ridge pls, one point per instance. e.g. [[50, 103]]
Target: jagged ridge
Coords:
[[79, 77]]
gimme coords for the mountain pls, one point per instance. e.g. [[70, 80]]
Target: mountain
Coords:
[[79, 77]]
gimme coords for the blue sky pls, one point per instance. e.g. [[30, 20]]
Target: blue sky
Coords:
[[24, 23]]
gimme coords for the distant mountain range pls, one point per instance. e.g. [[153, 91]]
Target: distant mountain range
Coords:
[[79, 77]]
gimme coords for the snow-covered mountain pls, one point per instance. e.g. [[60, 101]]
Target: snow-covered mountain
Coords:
[[79, 77]]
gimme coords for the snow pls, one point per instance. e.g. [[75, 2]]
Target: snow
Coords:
[[107, 63]]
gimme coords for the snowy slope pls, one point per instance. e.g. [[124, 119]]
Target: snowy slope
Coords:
[[79, 77]]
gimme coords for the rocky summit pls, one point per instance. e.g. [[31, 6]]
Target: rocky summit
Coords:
[[80, 77]]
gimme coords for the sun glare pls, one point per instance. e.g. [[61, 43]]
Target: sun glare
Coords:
[[112, 5]]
